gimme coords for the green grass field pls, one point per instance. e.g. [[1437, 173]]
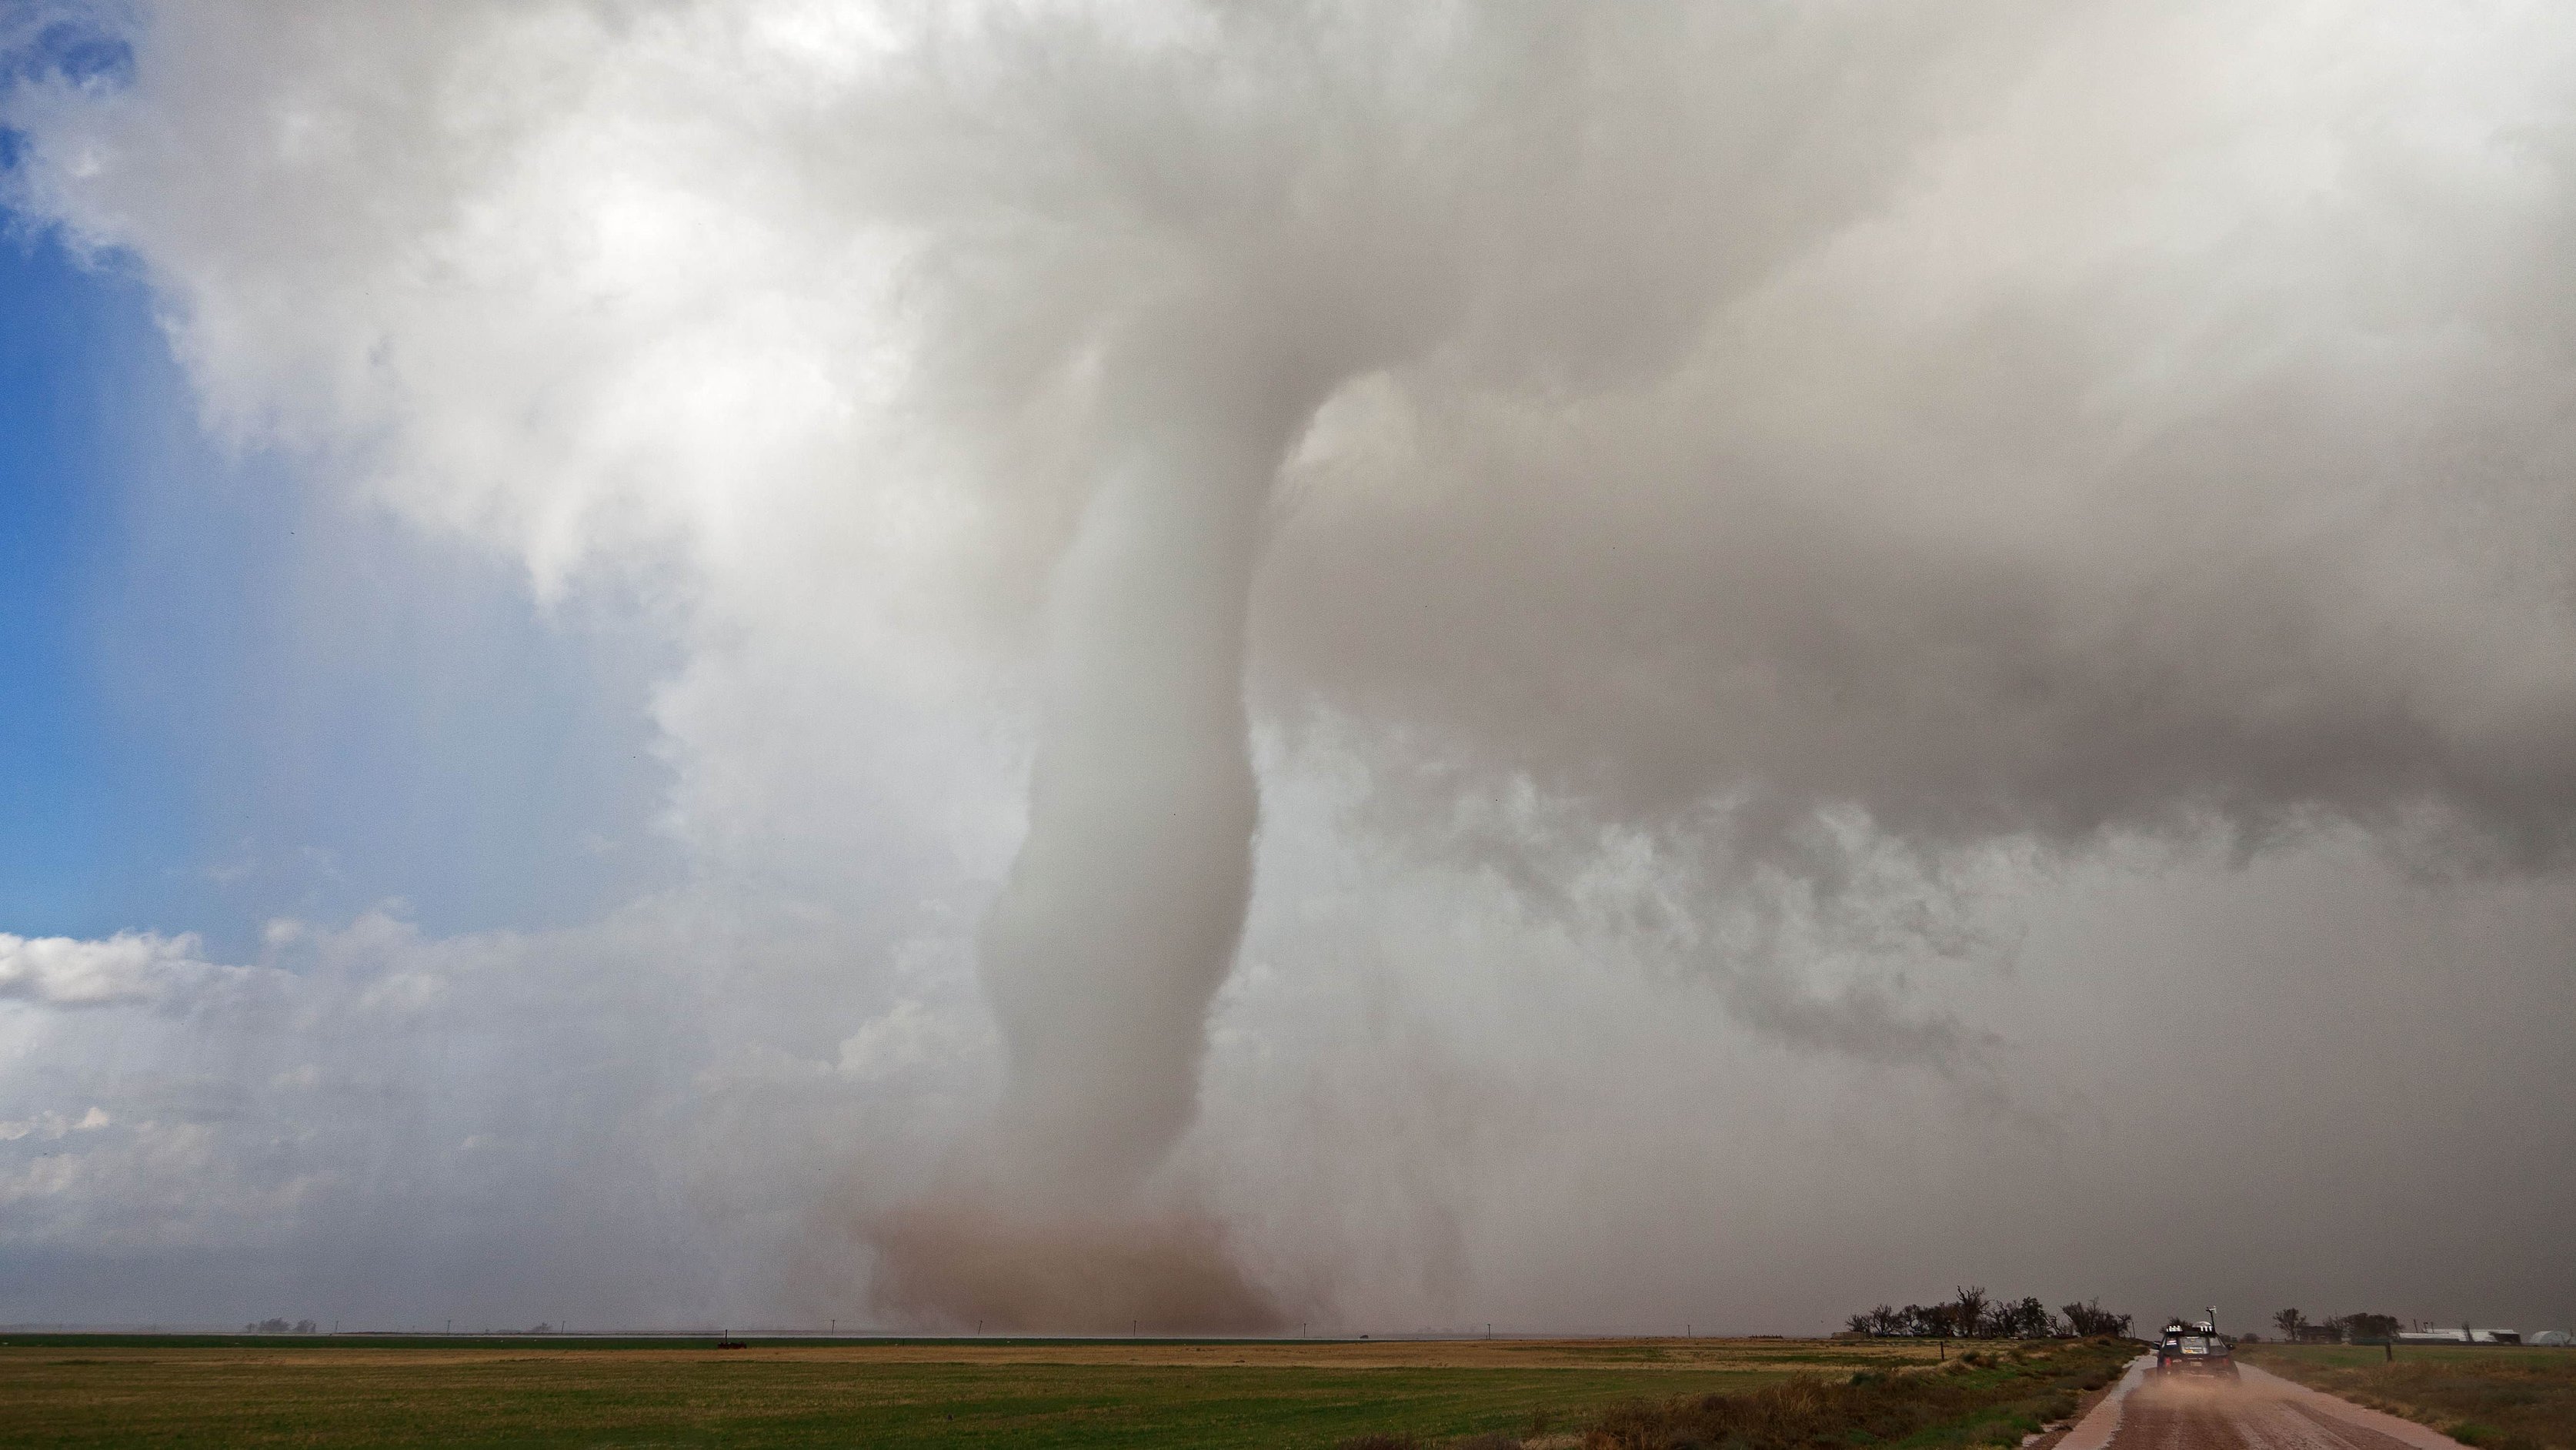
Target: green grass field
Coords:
[[2494, 1398], [98, 1391]]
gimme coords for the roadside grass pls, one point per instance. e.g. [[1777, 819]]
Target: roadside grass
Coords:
[[2494, 1398], [1988, 1396], [97, 1391]]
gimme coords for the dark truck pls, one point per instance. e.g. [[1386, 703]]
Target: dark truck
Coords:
[[2194, 1349]]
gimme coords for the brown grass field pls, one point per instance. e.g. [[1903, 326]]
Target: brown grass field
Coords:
[[2502, 1398], [61, 1390]]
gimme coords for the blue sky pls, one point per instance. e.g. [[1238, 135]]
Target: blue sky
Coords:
[[89, 809], [233, 698]]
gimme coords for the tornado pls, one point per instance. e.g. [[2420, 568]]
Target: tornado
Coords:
[[1120, 917], [1121, 914]]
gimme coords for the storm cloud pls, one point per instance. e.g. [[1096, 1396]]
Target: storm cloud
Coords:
[[1503, 661]]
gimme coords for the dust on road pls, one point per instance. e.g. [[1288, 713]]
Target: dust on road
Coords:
[[2258, 1411]]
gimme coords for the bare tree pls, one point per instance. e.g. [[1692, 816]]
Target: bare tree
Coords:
[[1972, 1310], [2090, 1318]]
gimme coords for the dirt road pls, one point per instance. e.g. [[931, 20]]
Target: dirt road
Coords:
[[2258, 1411]]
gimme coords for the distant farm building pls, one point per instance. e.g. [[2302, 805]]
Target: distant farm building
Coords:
[[2461, 1335]]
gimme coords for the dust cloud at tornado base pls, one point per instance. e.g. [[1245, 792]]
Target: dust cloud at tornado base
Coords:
[[1678, 574]]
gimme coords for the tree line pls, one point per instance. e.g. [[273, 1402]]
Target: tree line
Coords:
[[2336, 1329], [1975, 1314]]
